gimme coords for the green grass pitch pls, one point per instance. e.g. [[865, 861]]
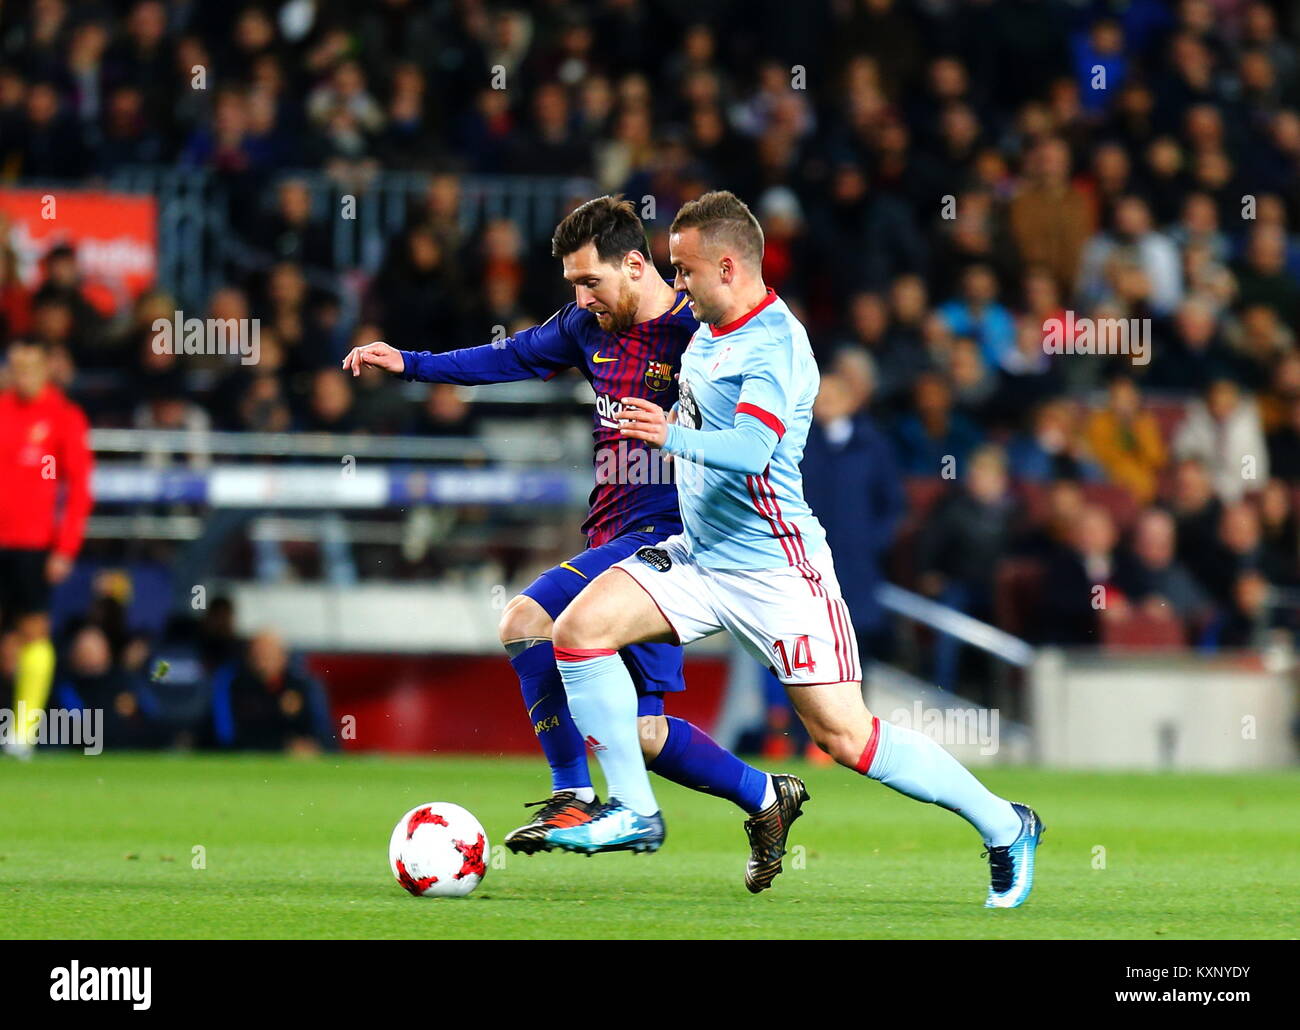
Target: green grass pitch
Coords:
[[103, 848]]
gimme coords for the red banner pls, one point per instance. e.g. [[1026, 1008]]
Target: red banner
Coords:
[[115, 236]]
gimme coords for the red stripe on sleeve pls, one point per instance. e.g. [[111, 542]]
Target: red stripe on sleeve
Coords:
[[766, 417]]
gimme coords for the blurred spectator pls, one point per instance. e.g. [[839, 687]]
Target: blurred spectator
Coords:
[[1262, 277], [1083, 584], [63, 286], [1196, 512], [1247, 616], [445, 412], [1126, 441], [851, 480], [15, 299], [1133, 239], [1279, 530], [414, 294], [1225, 433], [1051, 219], [1284, 446], [91, 681], [978, 314], [1197, 354], [1153, 578], [1241, 548], [1054, 528], [936, 435], [1053, 449], [291, 233], [330, 405], [959, 548], [269, 706]]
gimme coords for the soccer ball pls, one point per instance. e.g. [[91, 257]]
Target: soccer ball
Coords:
[[438, 851]]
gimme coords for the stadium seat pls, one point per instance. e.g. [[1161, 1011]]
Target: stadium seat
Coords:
[[1115, 499], [1016, 590], [1143, 631]]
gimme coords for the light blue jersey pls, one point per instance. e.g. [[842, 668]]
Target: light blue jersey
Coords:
[[760, 366]]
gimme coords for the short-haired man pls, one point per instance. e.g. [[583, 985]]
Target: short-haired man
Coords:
[[45, 467]]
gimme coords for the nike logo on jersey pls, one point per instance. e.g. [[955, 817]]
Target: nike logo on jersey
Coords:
[[599, 360]]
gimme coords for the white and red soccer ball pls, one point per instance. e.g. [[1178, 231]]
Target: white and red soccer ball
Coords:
[[438, 851]]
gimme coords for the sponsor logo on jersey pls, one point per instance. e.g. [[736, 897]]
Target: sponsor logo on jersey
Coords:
[[656, 557], [607, 408], [659, 375], [597, 359], [688, 409]]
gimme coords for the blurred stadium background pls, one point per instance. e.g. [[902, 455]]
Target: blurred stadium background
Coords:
[[935, 179]]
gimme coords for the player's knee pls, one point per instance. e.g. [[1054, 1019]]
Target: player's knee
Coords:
[[576, 628], [653, 732], [844, 747], [522, 619]]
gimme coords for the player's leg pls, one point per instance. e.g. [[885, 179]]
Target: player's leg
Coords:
[[682, 752], [796, 621], [610, 614], [618, 610], [913, 764], [525, 633], [679, 751], [34, 670]]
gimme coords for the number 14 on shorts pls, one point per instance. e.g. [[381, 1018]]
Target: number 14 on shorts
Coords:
[[797, 656]]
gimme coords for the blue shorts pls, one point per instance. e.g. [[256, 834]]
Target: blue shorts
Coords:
[[656, 668]]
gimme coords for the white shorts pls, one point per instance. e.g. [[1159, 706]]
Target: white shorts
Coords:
[[791, 619]]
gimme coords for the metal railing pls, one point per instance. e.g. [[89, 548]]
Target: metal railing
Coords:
[[198, 241], [942, 619], [1011, 655], [524, 449]]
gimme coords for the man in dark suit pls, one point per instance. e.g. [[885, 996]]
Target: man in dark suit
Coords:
[[853, 485]]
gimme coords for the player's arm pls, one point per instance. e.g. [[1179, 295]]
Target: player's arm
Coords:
[[73, 471], [757, 427], [746, 447], [540, 350]]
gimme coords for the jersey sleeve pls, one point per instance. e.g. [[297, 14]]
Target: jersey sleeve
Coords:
[[746, 447], [75, 466], [768, 386], [541, 350]]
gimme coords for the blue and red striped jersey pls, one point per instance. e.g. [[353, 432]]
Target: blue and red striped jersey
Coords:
[[634, 487]]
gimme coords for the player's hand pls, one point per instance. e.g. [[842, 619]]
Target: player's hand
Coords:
[[376, 355], [57, 567], [643, 420]]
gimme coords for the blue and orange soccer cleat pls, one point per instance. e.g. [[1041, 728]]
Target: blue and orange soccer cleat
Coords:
[[1012, 867], [562, 808], [614, 828]]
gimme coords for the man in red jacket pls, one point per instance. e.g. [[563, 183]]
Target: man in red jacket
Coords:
[[45, 498]]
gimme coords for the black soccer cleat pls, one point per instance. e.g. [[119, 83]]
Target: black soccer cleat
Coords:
[[768, 829], [561, 809]]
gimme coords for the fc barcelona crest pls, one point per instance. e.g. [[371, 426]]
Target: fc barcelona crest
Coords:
[[659, 375]]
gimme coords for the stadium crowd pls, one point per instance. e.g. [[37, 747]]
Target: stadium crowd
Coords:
[[943, 180]]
